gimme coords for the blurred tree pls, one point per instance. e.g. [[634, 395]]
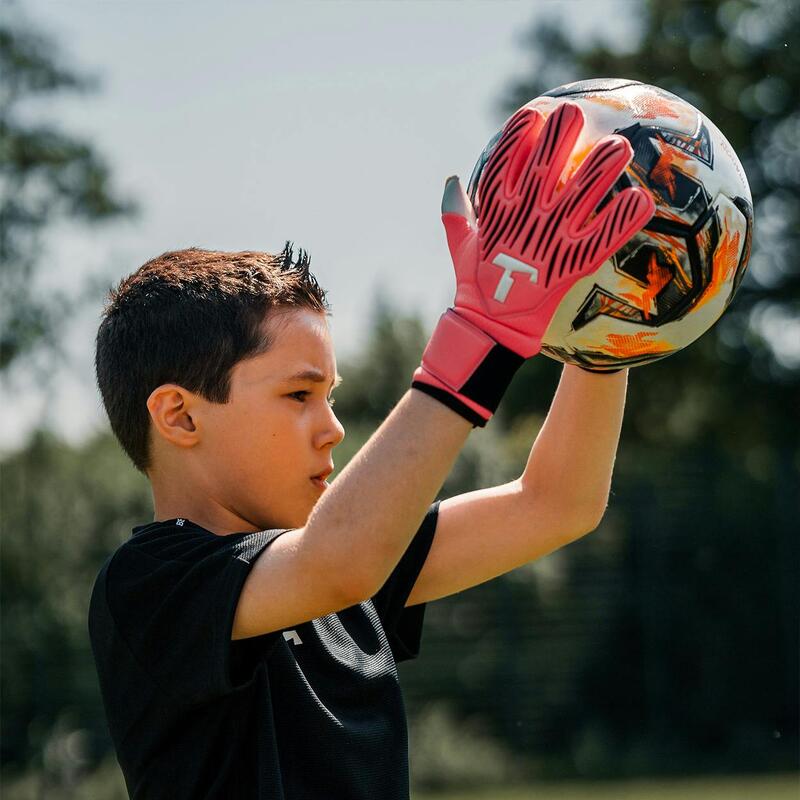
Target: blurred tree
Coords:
[[376, 378], [64, 510], [47, 176]]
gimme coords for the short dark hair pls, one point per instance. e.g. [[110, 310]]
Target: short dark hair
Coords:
[[188, 317]]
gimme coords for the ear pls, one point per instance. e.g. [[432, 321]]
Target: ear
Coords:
[[170, 408]]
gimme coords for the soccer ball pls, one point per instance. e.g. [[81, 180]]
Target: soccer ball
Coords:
[[674, 279]]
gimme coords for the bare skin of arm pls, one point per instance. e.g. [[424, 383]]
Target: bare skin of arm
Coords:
[[561, 496]]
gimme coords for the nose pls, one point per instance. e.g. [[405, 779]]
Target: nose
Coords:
[[332, 430]]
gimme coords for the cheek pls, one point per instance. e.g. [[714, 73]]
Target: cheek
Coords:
[[238, 430], [268, 432]]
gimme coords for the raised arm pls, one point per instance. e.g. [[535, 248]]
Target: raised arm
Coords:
[[561, 495]]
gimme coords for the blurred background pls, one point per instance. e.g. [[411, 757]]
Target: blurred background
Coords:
[[656, 658]]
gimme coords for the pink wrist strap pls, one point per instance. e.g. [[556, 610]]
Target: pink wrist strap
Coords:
[[465, 368]]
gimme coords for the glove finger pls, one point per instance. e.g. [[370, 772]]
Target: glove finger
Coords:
[[553, 149], [509, 156], [521, 155], [458, 216], [456, 201], [626, 214], [595, 177]]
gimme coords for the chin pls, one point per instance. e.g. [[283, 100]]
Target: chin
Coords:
[[272, 515], [293, 519]]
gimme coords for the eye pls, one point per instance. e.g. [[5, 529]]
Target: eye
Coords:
[[301, 397]]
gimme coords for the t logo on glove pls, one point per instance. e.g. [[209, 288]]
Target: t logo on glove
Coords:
[[510, 265]]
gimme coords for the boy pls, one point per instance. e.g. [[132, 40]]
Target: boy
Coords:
[[246, 639]]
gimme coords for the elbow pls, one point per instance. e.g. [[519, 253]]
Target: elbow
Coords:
[[364, 575], [588, 521], [356, 590], [361, 584], [593, 519]]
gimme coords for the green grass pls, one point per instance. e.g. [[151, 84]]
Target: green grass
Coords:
[[106, 784], [769, 787]]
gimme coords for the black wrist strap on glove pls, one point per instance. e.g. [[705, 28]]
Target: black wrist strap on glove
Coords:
[[486, 386]]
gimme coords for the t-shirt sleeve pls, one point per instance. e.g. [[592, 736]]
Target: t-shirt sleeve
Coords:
[[172, 599], [403, 626]]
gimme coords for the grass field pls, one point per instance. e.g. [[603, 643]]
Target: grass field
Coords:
[[775, 787], [106, 784]]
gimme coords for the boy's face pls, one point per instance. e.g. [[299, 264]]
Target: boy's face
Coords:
[[277, 431]]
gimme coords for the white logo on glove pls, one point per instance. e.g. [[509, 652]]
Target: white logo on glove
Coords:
[[510, 265]]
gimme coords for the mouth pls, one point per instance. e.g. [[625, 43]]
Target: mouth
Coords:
[[320, 479]]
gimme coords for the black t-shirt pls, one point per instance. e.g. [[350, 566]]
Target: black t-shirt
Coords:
[[310, 712]]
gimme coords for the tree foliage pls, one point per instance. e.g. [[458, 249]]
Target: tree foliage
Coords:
[[48, 176], [63, 511]]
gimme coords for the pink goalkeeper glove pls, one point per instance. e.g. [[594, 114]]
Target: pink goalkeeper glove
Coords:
[[515, 263]]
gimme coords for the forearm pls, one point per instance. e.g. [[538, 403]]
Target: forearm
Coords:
[[370, 513], [575, 450]]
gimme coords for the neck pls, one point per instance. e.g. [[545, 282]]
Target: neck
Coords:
[[196, 504]]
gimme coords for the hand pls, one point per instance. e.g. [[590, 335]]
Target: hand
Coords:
[[531, 243]]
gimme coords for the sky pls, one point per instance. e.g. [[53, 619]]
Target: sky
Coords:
[[239, 125]]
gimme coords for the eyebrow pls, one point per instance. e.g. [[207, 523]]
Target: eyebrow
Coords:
[[313, 375]]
